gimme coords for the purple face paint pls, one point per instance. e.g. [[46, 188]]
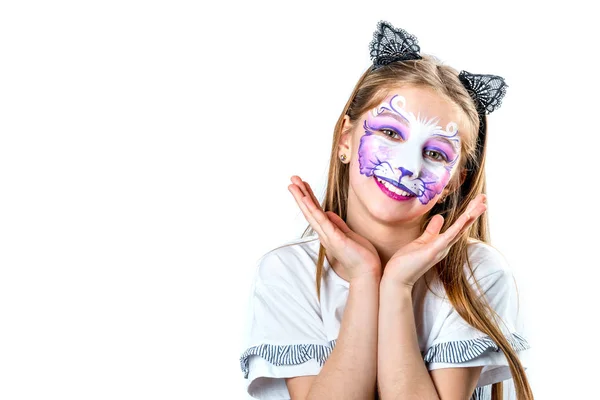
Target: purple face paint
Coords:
[[410, 156]]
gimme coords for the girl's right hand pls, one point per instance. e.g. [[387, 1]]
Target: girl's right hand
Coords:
[[356, 254]]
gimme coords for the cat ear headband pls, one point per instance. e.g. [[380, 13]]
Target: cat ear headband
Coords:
[[390, 44]]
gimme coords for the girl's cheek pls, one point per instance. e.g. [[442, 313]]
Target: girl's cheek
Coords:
[[371, 152], [438, 183], [383, 152], [444, 179], [366, 149]]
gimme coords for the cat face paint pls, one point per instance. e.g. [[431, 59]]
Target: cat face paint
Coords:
[[413, 154]]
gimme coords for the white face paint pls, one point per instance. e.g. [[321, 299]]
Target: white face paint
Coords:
[[414, 156]]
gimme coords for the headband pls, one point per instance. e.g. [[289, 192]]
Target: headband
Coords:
[[390, 45]]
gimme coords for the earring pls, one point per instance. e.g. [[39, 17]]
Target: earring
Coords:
[[343, 158]]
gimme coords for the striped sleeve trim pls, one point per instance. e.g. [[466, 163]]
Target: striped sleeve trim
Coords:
[[465, 350], [482, 393], [287, 354]]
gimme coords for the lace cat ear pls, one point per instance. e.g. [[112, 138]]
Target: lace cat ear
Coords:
[[486, 90], [390, 44]]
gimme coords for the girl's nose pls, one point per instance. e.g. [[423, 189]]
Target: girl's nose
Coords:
[[405, 172], [409, 164]]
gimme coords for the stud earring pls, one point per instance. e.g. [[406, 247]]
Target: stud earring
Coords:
[[343, 158]]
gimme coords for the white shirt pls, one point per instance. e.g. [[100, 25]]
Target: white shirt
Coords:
[[290, 333]]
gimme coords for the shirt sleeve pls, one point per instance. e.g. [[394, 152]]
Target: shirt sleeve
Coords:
[[284, 332], [458, 344]]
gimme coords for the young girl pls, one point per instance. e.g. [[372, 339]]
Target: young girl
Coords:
[[380, 304]]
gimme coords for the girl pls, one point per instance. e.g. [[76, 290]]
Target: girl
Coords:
[[380, 304]]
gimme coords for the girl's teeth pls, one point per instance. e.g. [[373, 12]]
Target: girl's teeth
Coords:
[[394, 189]]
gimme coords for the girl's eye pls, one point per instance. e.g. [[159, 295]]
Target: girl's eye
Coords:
[[390, 133], [436, 155]]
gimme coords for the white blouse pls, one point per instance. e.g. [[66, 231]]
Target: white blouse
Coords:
[[290, 333]]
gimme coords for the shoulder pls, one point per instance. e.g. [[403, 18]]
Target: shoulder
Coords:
[[488, 266], [290, 263]]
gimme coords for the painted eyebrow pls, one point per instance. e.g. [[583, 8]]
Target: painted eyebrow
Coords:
[[453, 140], [397, 117], [453, 145]]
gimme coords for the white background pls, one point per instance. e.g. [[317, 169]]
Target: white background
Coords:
[[146, 148]]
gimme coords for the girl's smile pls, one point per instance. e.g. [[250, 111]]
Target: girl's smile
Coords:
[[398, 192]]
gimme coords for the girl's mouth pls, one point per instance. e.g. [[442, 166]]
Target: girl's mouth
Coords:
[[392, 191]]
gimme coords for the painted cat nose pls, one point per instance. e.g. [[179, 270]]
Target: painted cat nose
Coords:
[[405, 172]]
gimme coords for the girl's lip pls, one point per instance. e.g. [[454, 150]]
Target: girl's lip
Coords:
[[392, 195]]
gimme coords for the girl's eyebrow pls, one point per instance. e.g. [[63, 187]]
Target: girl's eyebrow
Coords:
[[452, 141], [397, 117]]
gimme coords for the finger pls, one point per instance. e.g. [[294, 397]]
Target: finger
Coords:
[[317, 211], [452, 232], [310, 191], [300, 183], [333, 217], [299, 196], [329, 228], [433, 228], [474, 210], [338, 221], [474, 216], [307, 190], [462, 223], [479, 199]]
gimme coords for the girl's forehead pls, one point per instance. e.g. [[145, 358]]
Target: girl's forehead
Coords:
[[418, 98], [422, 103]]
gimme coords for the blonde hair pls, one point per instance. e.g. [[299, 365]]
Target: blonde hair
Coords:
[[466, 184]]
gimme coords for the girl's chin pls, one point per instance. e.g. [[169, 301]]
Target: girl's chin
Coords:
[[395, 214]]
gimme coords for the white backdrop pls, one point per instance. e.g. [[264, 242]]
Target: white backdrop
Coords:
[[146, 148]]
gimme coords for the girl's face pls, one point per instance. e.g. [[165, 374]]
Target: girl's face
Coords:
[[404, 153]]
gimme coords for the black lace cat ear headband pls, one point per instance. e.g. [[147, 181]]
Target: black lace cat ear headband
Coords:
[[390, 44]]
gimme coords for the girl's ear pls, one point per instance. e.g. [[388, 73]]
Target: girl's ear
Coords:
[[346, 124], [345, 142]]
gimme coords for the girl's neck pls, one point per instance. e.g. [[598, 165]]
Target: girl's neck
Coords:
[[386, 238]]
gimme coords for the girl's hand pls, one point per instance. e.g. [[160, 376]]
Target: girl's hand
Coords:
[[356, 254], [410, 262]]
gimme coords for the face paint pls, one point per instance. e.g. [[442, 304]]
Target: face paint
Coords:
[[413, 154]]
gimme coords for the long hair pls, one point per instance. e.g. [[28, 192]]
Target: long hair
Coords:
[[466, 184]]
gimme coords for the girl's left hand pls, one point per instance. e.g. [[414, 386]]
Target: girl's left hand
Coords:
[[411, 261]]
